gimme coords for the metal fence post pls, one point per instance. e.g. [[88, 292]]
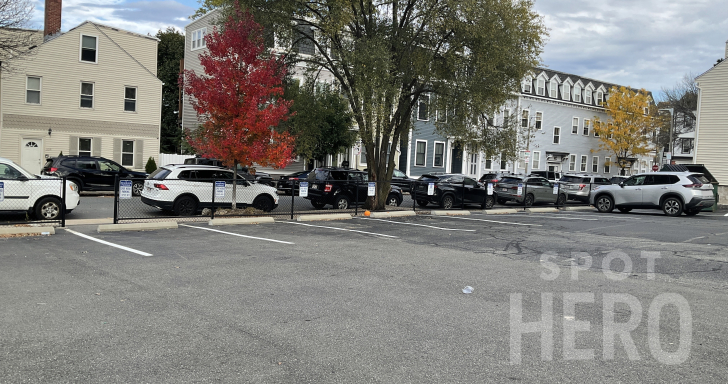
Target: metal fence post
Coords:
[[63, 202], [525, 193], [413, 195], [293, 195], [462, 198], [356, 203], [212, 209], [558, 194], [116, 199]]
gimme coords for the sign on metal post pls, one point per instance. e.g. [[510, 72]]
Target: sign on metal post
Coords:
[[655, 167], [372, 190], [219, 189], [556, 188], [520, 189], [125, 189], [303, 189], [2, 191], [490, 189], [431, 189]]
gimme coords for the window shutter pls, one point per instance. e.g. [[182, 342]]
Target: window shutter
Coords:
[[73, 145], [96, 146], [138, 154], [117, 150]]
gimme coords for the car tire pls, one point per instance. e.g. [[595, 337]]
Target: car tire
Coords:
[[528, 201], [422, 203], [625, 210], [317, 204], [692, 212], [136, 188], [672, 206], [604, 204], [393, 200], [185, 206], [447, 202], [48, 208], [342, 202], [561, 200], [488, 202], [264, 203]]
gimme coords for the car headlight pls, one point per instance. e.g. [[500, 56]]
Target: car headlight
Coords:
[[73, 187]]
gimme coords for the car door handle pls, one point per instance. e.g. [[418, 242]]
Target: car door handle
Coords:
[[664, 188], [638, 189]]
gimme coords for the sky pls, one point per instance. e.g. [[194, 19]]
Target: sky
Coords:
[[649, 44]]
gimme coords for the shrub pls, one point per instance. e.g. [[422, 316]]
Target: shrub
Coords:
[[151, 165]]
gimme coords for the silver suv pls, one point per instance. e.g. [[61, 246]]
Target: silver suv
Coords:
[[578, 186], [673, 192]]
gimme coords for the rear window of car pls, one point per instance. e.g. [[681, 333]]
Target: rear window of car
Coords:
[[601, 180], [159, 174], [571, 179], [71, 163], [319, 174], [511, 180], [428, 178], [699, 179]]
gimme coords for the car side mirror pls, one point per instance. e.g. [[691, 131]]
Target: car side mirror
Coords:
[[621, 184], [22, 178]]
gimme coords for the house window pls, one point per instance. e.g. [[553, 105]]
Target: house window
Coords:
[[582, 166], [686, 146], [587, 96], [539, 120], [524, 119], [489, 164], [587, 127], [439, 155], [572, 162], [575, 125], [89, 46], [198, 38], [363, 155], [536, 160], [421, 153], [441, 116], [595, 164], [304, 40], [84, 147], [87, 95], [473, 163], [540, 87], [130, 95], [503, 164], [527, 85], [32, 90], [557, 134], [608, 165], [127, 153], [566, 92], [422, 108], [506, 117], [554, 89], [600, 98], [647, 111], [577, 93], [596, 134]]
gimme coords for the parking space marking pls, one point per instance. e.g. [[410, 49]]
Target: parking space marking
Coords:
[[237, 234], [491, 221], [419, 225], [561, 217], [108, 243], [343, 229]]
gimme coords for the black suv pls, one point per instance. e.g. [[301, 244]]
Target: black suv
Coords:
[[451, 190], [342, 187], [92, 173]]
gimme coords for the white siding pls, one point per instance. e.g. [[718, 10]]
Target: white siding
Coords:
[[712, 129]]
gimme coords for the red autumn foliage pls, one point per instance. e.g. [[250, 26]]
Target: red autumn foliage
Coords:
[[239, 97]]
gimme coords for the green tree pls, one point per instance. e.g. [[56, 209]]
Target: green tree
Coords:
[[466, 56], [321, 121], [170, 52]]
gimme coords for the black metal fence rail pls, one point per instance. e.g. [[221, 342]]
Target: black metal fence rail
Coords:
[[33, 201]]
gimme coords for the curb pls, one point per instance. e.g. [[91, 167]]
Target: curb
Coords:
[[379, 215], [541, 210], [450, 213], [500, 211], [27, 231], [242, 220], [325, 217], [137, 226], [581, 208], [107, 220]]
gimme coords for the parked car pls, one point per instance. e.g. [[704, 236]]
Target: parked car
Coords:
[[342, 187], [187, 189], [203, 161], [291, 180], [578, 186], [673, 192], [535, 189], [401, 180], [551, 176], [40, 196], [92, 173], [494, 177], [618, 179], [451, 190]]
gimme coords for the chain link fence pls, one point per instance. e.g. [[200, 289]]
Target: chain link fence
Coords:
[[25, 201]]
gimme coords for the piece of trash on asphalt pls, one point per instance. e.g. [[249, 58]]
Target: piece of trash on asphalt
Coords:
[[45, 233], [468, 289]]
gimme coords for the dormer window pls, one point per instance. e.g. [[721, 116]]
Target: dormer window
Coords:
[[588, 96], [527, 85], [600, 98], [540, 87], [577, 93], [566, 92], [553, 89], [89, 47]]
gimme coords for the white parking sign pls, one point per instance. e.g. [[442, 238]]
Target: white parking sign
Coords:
[[303, 189], [125, 189], [219, 189], [520, 189], [372, 189], [431, 189], [490, 189], [556, 188], [2, 191]]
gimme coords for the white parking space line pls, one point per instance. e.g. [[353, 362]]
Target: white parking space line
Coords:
[[108, 243], [726, 214], [560, 217], [344, 229], [490, 221], [418, 225], [237, 234]]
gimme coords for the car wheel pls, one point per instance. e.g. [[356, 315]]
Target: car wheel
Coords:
[[672, 206], [392, 200], [502, 201], [488, 203], [561, 200], [529, 200], [605, 204], [342, 202], [137, 188], [48, 208], [185, 206], [625, 210], [264, 203], [692, 212], [447, 202], [317, 205], [422, 203]]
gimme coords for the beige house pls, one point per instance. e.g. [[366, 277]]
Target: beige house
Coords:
[[90, 91], [711, 140]]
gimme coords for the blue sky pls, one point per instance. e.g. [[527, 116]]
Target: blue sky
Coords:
[[640, 43]]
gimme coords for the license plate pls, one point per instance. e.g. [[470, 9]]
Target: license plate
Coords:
[[314, 186], [504, 189]]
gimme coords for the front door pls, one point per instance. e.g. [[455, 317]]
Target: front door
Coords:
[[631, 191], [31, 155], [456, 163]]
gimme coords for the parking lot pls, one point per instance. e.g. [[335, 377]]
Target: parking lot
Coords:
[[360, 300]]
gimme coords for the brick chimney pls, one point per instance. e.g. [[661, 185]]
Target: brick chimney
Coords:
[[52, 22]]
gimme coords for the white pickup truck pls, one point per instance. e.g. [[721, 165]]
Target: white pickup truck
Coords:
[[21, 191]]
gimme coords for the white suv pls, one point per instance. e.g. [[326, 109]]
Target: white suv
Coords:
[[673, 192], [187, 189], [40, 195]]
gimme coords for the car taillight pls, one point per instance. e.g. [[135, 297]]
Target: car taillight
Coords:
[[514, 187], [53, 169], [328, 188], [581, 186], [693, 186], [161, 186], [293, 178]]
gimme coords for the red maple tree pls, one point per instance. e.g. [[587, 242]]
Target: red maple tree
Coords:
[[239, 97]]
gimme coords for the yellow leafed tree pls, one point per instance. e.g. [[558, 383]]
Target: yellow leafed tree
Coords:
[[627, 132]]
